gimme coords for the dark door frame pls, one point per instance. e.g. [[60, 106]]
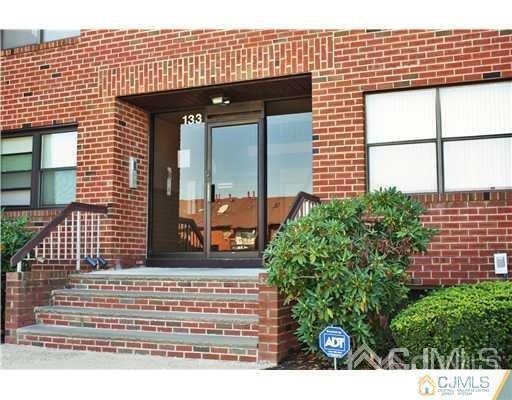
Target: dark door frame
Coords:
[[262, 185], [235, 114]]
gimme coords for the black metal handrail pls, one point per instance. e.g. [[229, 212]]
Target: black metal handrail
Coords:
[[191, 227], [53, 226], [301, 207]]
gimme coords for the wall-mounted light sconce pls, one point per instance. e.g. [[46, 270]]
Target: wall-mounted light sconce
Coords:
[[132, 173], [219, 100]]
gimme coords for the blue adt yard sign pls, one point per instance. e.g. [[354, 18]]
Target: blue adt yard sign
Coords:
[[334, 342]]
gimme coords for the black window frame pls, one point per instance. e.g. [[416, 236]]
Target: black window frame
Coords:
[[37, 170], [21, 187], [438, 140], [40, 39]]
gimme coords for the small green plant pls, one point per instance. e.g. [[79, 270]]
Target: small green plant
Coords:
[[345, 264], [14, 235], [465, 318]]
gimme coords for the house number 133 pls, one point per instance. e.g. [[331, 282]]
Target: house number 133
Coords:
[[192, 119]]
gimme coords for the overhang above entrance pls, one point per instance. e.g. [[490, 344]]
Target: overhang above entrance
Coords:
[[261, 89]]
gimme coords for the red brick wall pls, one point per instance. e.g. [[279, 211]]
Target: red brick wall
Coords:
[[24, 291], [471, 231], [276, 327], [37, 218], [79, 80]]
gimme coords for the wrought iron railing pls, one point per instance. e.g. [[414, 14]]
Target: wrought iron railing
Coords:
[[69, 237], [302, 205], [190, 234]]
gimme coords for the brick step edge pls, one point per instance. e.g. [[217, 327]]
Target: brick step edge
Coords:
[[162, 287], [167, 277], [157, 315], [114, 334], [235, 308], [150, 321], [160, 295], [199, 304], [157, 344]]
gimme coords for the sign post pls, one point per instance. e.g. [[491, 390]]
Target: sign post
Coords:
[[334, 342]]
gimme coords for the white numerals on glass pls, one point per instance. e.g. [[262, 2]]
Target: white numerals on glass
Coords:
[[192, 119]]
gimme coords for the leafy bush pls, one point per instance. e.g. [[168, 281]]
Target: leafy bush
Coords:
[[14, 235], [344, 264], [468, 317]]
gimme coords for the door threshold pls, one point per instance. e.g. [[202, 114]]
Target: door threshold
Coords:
[[166, 262]]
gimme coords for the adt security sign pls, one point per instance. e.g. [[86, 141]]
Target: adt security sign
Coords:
[[334, 342]]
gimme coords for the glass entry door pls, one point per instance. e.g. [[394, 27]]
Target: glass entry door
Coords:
[[232, 184], [223, 180], [178, 192]]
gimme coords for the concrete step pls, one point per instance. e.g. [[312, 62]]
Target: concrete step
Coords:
[[228, 303], [216, 347], [155, 321], [166, 283], [178, 274]]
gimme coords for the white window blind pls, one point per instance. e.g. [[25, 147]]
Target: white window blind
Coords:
[[16, 198], [58, 159], [410, 168], [471, 110], [481, 164], [58, 150], [17, 145], [458, 150], [403, 115], [16, 160]]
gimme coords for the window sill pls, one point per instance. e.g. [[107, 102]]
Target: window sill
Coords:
[[40, 46]]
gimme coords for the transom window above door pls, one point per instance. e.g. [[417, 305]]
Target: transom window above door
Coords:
[[456, 138], [38, 168]]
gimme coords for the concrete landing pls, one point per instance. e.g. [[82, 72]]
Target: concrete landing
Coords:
[[197, 273]]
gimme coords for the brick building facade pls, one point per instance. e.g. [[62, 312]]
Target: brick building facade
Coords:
[[89, 82]]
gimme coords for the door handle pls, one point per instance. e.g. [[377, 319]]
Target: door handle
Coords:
[[168, 182], [212, 193]]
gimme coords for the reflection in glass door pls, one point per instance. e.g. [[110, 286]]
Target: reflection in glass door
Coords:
[[222, 189], [233, 197], [178, 184]]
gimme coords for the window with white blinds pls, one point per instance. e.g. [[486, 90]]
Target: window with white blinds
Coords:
[[16, 170], [455, 138], [38, 169]]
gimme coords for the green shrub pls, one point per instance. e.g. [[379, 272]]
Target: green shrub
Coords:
[[338, 268], [14, 235], [465, 317]]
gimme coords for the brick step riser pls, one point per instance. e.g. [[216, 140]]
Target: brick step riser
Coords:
[[147, 348], [167, 286], [149, 325], [206, 306]]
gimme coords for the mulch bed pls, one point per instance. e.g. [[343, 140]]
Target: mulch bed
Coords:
[[300, 360]]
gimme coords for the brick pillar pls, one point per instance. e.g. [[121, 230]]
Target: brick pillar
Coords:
[[23, 292], [276, 327]]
